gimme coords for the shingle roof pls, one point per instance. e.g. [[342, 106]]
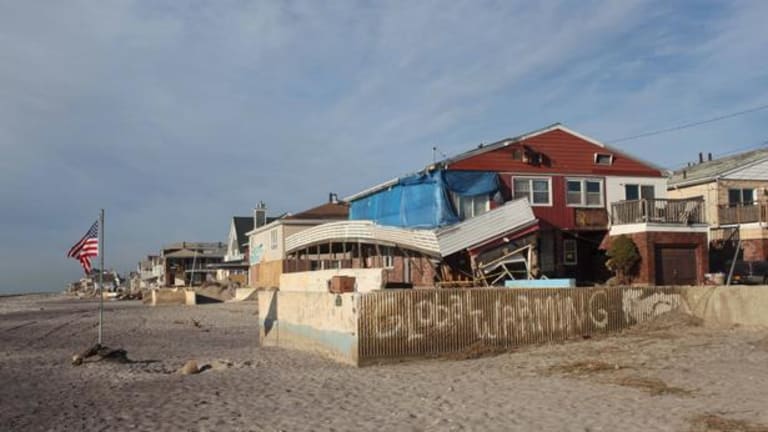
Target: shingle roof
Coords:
[[330, 210], [709, 170], [243, 224]]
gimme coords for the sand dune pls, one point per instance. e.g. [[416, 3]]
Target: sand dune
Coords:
[[674, 379]]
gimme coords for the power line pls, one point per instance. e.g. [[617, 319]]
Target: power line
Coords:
[[689, 125]]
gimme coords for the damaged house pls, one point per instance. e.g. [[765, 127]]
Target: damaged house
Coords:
[[537, 205]]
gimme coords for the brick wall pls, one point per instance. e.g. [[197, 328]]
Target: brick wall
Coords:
[[648, 241], [755, 250]]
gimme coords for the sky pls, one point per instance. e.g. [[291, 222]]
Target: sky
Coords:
[[174, 115]]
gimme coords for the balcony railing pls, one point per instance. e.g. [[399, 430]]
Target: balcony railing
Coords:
[[733, 215], [663, 211]]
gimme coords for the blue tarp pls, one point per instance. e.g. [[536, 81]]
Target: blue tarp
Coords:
[[423, 200]]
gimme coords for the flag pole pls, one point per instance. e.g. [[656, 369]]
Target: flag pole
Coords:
[[101, 275]]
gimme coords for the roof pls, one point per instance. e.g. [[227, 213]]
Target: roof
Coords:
[[329, 210], [190, 253], [449, 162], [556, 143], [709, 170], [503, 220], [193, 245], [243, 224], [365, 231]]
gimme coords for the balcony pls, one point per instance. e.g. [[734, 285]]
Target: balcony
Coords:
[[660, 211], [739, 214]]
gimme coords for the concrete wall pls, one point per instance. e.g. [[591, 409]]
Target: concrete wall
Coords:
[[317, 281], [323, 323], [169, 296], [358, 328], [729, 305]]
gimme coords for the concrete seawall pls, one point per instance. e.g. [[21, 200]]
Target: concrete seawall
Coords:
[[729, 305], [358, 328]]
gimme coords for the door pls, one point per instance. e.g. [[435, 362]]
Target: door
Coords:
[[676, 265]]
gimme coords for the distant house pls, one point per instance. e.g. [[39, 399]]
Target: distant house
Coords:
[[150, 271], [267, 242], [235, 267], [735, 192], [187, 263]]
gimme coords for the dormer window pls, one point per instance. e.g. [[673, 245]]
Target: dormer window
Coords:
[[603, 159]]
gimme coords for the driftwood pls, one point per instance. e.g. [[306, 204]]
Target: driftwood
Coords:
[[103, 353]]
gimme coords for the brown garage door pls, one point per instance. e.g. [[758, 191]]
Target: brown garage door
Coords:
[[675, 265]]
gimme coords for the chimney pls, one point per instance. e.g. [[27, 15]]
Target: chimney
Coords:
[[709, 156], [701, 157], [333, 198], [260, 215]]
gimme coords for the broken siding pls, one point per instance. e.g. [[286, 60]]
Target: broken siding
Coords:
[[511, 216]]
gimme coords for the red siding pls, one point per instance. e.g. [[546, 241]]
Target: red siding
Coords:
[[558, 214], [566, 154]]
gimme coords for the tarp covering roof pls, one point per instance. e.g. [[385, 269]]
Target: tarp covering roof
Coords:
[[422, 200]]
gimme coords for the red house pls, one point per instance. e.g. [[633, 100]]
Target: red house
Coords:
[[570, 181]]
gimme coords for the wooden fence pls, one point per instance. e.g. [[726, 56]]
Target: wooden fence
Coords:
[[405, 323]]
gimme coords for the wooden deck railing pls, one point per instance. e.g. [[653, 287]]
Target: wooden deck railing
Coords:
[[660, 210], [732, 215]]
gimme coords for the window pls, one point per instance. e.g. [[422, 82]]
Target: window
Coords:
[[273, 238], [635, 192], [741, 197], [517, 154], [470, 206], [570, 254], [387, 256], [537, 190], [603, 159], [584, 192]]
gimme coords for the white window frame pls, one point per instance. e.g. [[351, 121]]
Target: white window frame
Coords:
[[457, 201], [530, 180], [583, 181], [575, 246], [273, 238], [610, 159]]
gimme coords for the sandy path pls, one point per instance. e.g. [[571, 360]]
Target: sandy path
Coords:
[[593, 385]]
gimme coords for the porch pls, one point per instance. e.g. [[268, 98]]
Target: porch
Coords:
[[688, 211], [740, 214]]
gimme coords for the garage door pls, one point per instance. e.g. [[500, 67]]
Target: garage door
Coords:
[[675, 265]]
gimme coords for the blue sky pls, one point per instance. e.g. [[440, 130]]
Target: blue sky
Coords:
[[175, 115]]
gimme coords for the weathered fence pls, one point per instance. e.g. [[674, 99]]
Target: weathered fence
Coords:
[[393, 324]]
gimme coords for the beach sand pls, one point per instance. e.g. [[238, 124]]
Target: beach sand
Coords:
[[681, 378]]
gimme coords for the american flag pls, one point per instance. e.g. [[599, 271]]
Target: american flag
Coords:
[[86, 247]]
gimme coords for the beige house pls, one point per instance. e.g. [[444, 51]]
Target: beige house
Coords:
[[735, 191], [267, 243]]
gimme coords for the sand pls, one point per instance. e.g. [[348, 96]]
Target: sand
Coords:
[[684, 377]]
